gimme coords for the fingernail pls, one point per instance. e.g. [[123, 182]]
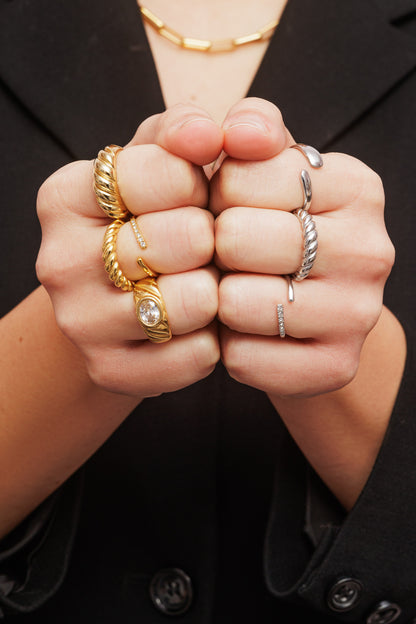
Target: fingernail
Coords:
[[256, 125], [188, 122]]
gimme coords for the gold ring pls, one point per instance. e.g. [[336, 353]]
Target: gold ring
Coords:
[[151, 310], [111, 264], [142, 244], [105, 183]]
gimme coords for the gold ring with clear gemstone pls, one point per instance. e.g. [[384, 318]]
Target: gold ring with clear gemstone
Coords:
[[151, 310]]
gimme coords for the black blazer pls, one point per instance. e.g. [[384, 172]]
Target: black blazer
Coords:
[[207, 480]]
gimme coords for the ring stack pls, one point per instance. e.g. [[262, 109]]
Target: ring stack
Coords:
[[309, 231], [150, 307]]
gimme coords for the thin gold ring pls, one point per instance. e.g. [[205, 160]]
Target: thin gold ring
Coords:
[[111, 264], [143, 245], [151, 310], [105, 183]]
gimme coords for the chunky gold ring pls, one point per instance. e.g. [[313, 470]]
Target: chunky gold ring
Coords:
[[111, 264], [151, 310], [105, 183]]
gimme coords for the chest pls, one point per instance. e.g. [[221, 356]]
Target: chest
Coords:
[[213, 81]]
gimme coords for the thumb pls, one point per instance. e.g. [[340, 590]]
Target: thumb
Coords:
[[254, 130]]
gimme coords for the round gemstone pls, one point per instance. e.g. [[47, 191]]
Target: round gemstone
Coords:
[[149, 312]]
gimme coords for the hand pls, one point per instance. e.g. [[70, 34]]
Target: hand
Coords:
[[259, 240], [160, 179]]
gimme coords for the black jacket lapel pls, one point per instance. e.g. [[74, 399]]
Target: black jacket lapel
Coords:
[[329, 62], [84, 69]]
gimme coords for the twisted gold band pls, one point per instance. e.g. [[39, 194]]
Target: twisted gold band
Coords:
[[110, 257], [151, 310], [105, 183]]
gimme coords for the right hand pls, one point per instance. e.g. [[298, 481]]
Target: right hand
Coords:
[[160, 178]]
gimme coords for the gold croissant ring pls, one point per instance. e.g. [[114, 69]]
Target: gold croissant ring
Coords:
[[151, 310], [105, 183], [111, 264]]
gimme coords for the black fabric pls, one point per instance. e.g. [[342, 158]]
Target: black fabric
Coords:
[[208, 479]]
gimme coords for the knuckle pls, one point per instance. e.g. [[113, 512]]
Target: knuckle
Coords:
[[236, 358], [340, 367], [200, 235], [206, 298], [227, 182], [226, 237], [205, 353], [103, 370], [53, 193], [53, 268], [227, 301], [70, 323]]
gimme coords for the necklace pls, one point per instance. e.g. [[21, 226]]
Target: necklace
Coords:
[[205, 45]]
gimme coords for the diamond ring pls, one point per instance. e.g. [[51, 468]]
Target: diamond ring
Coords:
[[151, 310]]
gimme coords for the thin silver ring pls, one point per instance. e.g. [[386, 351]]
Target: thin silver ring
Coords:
[[312, 154], [281, 320], [290, 289]]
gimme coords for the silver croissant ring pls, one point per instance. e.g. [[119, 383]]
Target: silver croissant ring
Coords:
[[310, 234]]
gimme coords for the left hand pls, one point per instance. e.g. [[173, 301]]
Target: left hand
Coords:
[[259, 241]]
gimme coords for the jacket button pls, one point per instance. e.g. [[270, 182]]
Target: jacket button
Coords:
[[384, 613], [171, 591], [344, 595]]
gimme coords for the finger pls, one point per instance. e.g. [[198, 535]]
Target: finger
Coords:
[[343, 181], [145, 369], [254, 130], [288, 367], [176, 240], [107, 316], [184, 130], [271, 241], [148, 177], [319, 311]]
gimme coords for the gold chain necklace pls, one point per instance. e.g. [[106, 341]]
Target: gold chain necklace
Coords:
[[205, 45]]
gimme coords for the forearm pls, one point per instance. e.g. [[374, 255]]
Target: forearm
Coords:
[[52, 417], [340, 433]]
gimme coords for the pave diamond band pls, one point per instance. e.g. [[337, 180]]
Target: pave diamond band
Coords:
[[281, 320], [151, 311]]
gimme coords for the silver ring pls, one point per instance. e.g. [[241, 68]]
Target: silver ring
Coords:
[[290, 289], [281, 320], [310, 234], [310, 244], [312, 154]]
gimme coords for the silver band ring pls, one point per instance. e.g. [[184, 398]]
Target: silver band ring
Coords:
[[290, 289], [312, 154], [281, 320]]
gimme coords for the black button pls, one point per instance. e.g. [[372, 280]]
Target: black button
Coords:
[[171, 591], [344, 595], [384, 613]]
